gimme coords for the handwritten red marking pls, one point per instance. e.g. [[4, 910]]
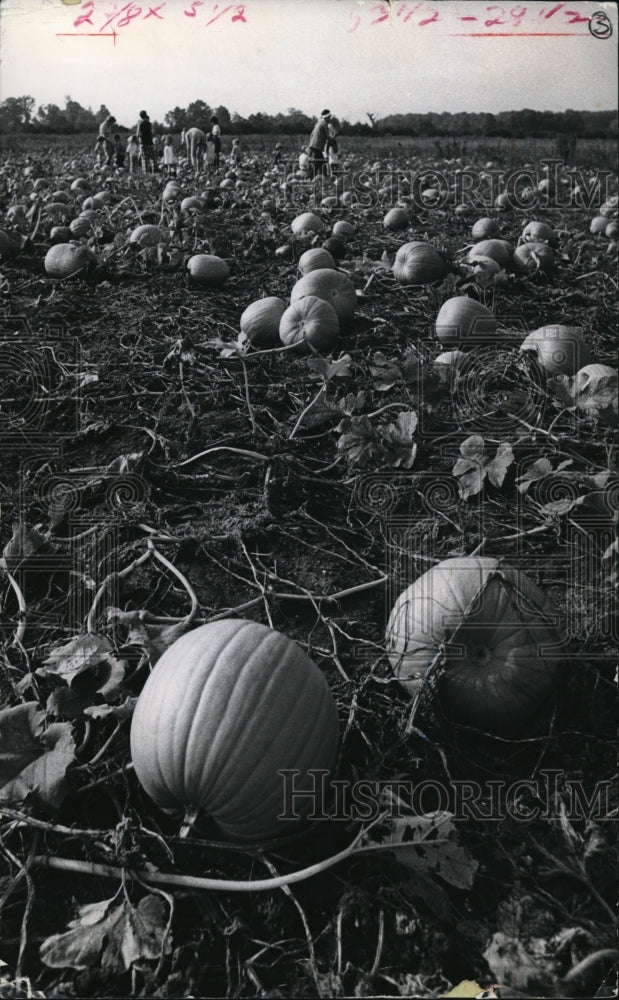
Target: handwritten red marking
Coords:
[[554, 10], [153, 12], [85, 18], [86, 34], [192, 12]]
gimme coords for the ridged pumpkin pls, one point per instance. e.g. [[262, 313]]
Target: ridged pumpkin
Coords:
[[499, 250], [307, 222], [334, 287], [418, 263], [560, 350], [310, 321], [485, 229], [461, 318], [343, 229], [207, 269], [260, 321], [396, 219], [489, 631], [314, 259], [226, 709], [533, 256], [65, 260]]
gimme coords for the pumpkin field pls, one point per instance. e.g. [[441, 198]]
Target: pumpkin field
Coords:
[[308, 581]]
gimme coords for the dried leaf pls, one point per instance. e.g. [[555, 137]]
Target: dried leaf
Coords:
[[24, 542], [155, 639], [427, 844], [82, 654], [34, 756], [496, 470], [467, 988], [112, 937]]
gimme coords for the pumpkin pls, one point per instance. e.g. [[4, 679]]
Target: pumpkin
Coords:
[[207, 269], [334, 287], [485, 229], [538, 232], [461, 319], [58, 234], [81, 227], [310, 322], [314, 259], [598, 224], [59, 211], [488, 631], [192, 205], [453, 359], [560, 350], [533, 257], [307, 223], [418, 263], [499, 250], [335, 246], [343, 230], [228, 707], [502, 202], [147, 236], [612, 230], [79, 184], [594, 390], [66, 260], [396, 219], [260, 321]]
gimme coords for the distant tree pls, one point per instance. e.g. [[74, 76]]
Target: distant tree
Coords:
[[52, 119], [80, 119], [224, 118], [199, 114], [16, 113], [176, 120]]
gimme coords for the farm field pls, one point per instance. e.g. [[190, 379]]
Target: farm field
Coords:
[[164, 470]]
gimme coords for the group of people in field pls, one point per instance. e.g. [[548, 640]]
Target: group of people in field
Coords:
[[143, 149]]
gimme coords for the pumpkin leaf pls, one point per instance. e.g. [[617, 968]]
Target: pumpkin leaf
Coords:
[[388, 372], [472, 468], [82, 655], [110, 937], [34, 757], [428, 844], [512, 963], [326, 370], [120, 712], [496, 470]]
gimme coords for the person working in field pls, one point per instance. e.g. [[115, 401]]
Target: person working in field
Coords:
[[236, 153], [195, 144], [333, 155], [216, 137], [133, 153], [318, 143], [106, 132], [169, 156], [145, 139], [100, 151]]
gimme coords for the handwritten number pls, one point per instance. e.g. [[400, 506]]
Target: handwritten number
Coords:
[[192, 12], [353, 14], [575, 17], [85, 18], [240, 14], [490, 23], [517, 14], [430, 20]]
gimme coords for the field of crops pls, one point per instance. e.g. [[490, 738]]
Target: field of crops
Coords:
[[167, 465]]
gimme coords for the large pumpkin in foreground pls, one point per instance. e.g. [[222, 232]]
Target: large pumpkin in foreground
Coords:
[[489, 631], [226, 709]]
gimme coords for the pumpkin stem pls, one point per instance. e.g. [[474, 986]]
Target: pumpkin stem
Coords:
[[188, 821]]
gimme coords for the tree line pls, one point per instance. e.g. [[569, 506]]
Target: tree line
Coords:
[[18, 114]]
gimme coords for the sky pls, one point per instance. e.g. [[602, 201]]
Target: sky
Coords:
[[272, 55]]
